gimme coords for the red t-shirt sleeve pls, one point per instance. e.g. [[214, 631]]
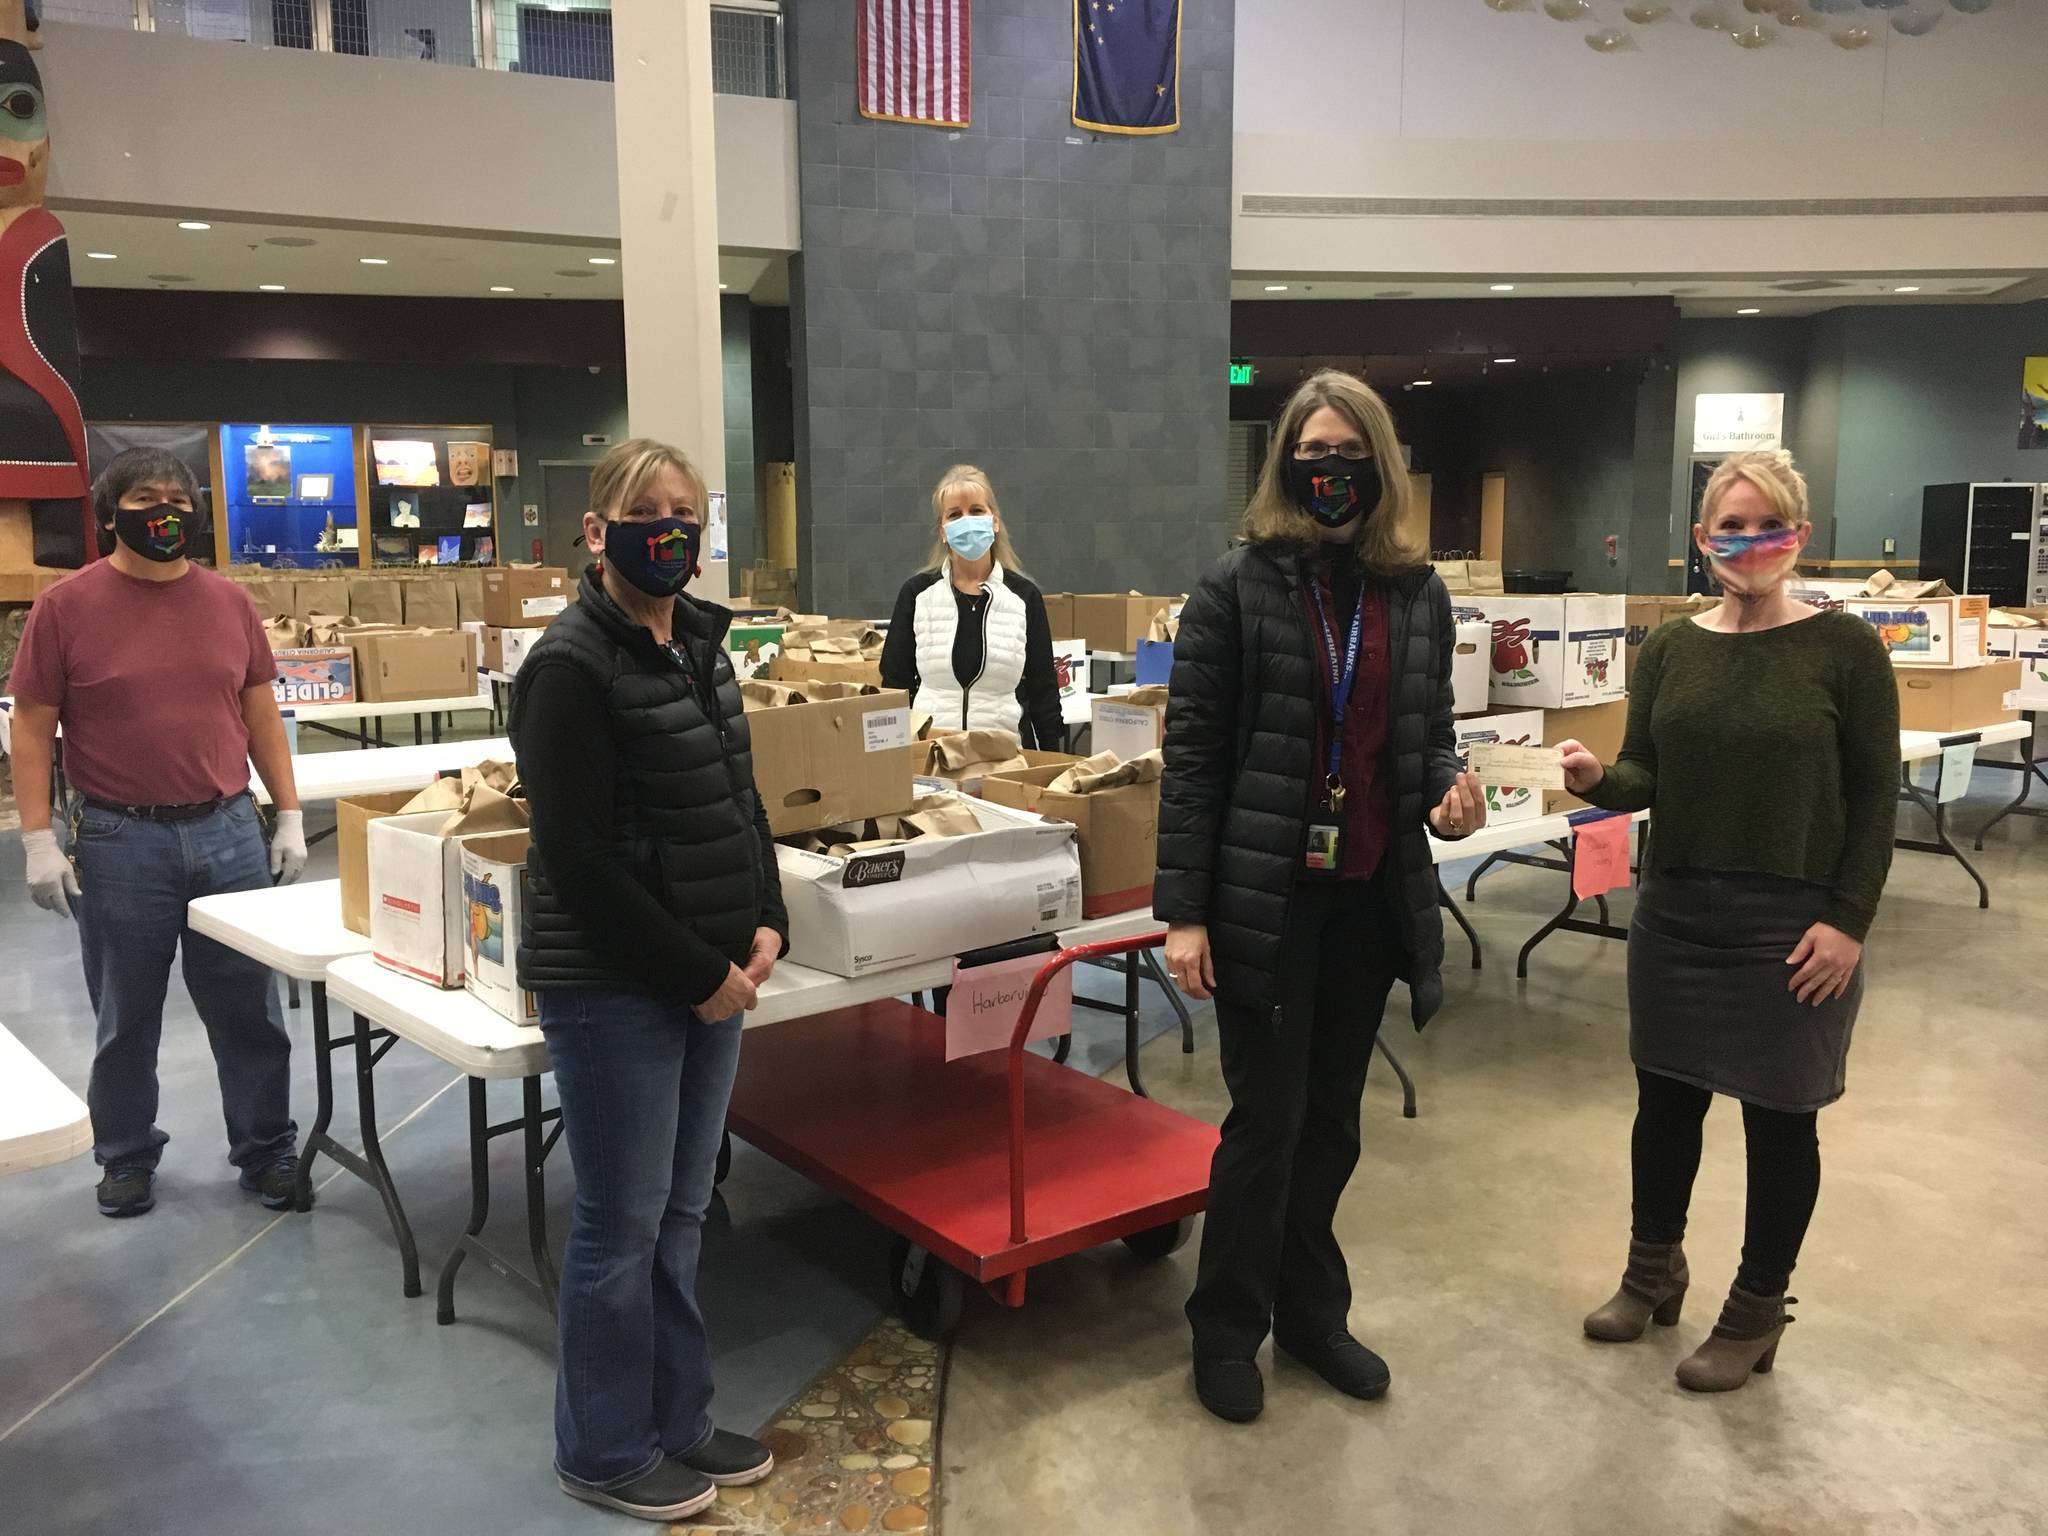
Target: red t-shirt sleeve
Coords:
[[262, 667], [39, 663]]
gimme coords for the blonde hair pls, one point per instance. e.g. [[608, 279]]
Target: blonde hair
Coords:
[[952, 480], [1771, 471], [1273, 516], [630, 467]]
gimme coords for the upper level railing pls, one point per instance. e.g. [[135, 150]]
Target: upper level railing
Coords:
[[567, 38]]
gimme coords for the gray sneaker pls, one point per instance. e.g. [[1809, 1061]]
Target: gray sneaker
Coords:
[[730, 1460], [127, 1192], [671, 1491]]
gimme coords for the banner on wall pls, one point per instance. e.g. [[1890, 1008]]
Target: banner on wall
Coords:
[[913, 61], [1731, 423], [1127, 65], [2034, 404]]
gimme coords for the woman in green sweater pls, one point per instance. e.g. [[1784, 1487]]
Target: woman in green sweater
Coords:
[[1763, 736]]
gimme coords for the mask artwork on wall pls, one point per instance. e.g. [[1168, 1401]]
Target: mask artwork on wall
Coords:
[[43, 480]]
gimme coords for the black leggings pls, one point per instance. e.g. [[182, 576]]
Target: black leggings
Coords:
[[1784, 1176]]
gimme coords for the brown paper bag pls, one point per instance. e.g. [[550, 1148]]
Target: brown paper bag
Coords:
[[1149, 697], [430, 603], [376, 600], [284, 632]]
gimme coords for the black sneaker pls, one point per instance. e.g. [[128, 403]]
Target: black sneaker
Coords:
[[276, 1181], [671, 1491], [127, 1192], [1230, 1389], [1343, 1362], [730, 1460]]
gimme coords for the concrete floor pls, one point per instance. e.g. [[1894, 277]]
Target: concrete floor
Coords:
[[1908, 1398]]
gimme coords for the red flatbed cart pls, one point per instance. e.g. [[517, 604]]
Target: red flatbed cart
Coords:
[[982, 1167]]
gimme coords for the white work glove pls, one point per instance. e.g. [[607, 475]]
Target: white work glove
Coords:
[[288, 847], [51, 881]]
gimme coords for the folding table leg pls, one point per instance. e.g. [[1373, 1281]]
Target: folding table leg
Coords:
[[1443, 898], [1407, 1083], [1472, 884], [479, 1199], [1131, 1026], [1149, 958], [1941, 843], [544, 1267], [317, 1139], [291, 990], [373, 1158], [418, 736], [2030, 768]]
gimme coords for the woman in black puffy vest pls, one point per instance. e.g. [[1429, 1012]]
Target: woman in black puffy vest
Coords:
[[655, 916], [1308, 739]]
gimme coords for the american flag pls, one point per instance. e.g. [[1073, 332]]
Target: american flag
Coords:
[[914, 62]]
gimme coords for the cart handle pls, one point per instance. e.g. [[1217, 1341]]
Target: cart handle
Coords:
[[1052, 967]]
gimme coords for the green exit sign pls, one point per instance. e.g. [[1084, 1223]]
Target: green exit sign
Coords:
[[1240, 371]]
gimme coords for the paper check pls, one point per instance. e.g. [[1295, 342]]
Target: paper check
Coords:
[[1518, 767]]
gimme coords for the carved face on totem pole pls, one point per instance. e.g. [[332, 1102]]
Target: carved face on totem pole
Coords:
[[24, 130]]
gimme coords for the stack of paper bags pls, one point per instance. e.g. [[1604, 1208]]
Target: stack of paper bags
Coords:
[[1113, 805]]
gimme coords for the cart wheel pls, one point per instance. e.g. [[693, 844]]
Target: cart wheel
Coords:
[[929, 1293], [1157, 1242], [724, 1159]]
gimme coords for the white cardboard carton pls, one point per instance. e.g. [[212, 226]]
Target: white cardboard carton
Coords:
[[1129, 730], [1927, 631], [494, 888], [2030, 648], [1471, 668], [416, 913], [1509, 727], [934, 896], [1556, 652]]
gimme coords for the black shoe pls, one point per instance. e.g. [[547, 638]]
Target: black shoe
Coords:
[[730, 1460], [1230, 1389], [1343, 1362], [127, 1192], [670, 1492], [276, 1181]]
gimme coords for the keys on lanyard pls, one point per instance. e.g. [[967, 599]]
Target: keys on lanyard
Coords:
[[1345, 675]]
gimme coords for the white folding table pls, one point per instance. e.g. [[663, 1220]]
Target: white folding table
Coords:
[[41, 1121], [318, 716], [376, 770], [1923, 746], [1506, 843], [2029, 768]]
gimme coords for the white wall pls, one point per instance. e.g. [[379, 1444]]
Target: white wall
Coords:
[[142, 123], [1454, 100]]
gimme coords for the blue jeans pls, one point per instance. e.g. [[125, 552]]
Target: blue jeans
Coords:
[[134, 879], [643, 1085]]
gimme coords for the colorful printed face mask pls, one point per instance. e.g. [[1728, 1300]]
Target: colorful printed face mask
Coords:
[[1334, 490], [658, 557], [1752, 561], [155, 533]]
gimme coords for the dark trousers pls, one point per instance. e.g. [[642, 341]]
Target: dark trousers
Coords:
[[1784, 1176], [1270, 1259]]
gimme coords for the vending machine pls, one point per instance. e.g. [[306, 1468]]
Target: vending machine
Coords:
[[1988, 537]]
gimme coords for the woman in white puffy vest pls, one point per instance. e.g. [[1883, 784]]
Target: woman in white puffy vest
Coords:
[[969, 638]]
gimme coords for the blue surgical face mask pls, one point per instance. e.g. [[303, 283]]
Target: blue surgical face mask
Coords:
[[971, 537]]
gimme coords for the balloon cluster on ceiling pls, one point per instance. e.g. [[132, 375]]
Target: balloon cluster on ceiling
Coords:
[[1849, 24]]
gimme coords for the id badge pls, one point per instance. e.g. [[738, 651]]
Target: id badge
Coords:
[[1325, 842]]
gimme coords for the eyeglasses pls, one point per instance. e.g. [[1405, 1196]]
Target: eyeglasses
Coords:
[[1313, 448]]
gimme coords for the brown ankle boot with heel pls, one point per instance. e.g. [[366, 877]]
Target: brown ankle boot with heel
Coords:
[[1652, 1287], [1744, 1343]]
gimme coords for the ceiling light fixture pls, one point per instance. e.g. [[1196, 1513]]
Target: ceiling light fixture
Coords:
[[1749, 311], [270, 287], [1422, 383], [501, 288], [1503, 287], [373, 261], [1909, 288], [721, 287], [1276, 287], [101, 256], [1503, 359], [604, 261], [193, 224]]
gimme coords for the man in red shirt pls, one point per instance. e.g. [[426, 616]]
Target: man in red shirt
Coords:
[[159, 673]]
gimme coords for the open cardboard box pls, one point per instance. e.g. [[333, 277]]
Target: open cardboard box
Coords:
[[1116, 828], [1956, 698], [820, 761]]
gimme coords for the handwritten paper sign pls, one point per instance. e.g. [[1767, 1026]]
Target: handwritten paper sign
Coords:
[[1600, 857], [1957, 764], [987, 1001], [1517, 767]]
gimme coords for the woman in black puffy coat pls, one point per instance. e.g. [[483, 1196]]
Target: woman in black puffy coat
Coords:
[[1308, 739]]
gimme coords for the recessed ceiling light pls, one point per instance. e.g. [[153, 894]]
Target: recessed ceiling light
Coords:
[[1276, 287], [1422, 383], [101, 256], [373, 261], [1910, 288], [604, 261], [270, 287], [193, 224], [721, 287], [501, 288], [1503, 359], [1749, 311], [1503, 287]]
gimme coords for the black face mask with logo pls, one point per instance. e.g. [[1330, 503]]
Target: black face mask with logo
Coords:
[[155, 533], [1334, 490]]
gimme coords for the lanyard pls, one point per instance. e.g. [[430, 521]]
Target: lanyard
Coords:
[[1343, 677]]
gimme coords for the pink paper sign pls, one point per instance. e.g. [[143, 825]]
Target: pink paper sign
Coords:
[[1600, 857], [987, 1001]]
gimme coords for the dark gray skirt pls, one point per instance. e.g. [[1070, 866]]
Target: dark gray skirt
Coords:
[[1707, 999]]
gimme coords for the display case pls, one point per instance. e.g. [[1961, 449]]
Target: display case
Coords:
[[431, 494], [196, 445], [289, 494]]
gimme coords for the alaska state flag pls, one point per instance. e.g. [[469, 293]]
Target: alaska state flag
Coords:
[[1127, 65]]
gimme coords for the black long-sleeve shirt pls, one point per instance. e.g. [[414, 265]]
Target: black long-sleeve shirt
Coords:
[[1041, 724]]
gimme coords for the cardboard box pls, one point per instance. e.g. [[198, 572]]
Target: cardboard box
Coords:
[[1645, 615], [376, 599], [430, 602], [1555, 652], [504, 650], [2029, 647], [1599, 728], [753, 647], [1955, 698], [1070, 668], [417, 922], [1130, 725], [352, 818], [1817, 592], [393, 666], [1471, 667], [525, 596], [832, 669], [1927, 631], [494, 899], [319, 674], [1115, 622], [933, 897], [1116, 830], [1514, 728], [1059, 616], [817, 765]]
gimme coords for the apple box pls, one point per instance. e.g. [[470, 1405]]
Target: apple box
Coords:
[[1557, 652]]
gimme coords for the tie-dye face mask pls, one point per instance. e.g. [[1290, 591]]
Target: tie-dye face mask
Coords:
[[1751, 562]]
